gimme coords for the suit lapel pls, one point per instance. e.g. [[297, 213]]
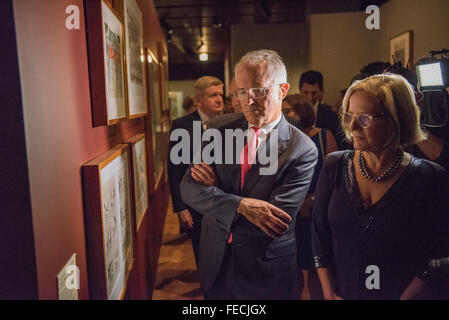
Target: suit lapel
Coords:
[[194, 116]]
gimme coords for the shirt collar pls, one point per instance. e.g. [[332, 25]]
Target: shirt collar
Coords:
[[204, 118], [315, 107], [265, 130]]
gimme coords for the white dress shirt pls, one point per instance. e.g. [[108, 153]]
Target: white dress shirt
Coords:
[[264, 131], [204, 118]]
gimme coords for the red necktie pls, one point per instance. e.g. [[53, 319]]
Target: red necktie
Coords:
[[248, 154], [247, 158]]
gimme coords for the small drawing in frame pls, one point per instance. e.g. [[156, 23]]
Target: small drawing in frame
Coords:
[[135, 60], [140, 174], [401, 49], [105, 44], [109, 224]]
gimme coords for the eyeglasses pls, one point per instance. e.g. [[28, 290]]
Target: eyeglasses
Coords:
[[256, 93], [363, 119]]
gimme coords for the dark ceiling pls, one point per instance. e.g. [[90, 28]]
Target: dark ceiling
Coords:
[[193, 26]]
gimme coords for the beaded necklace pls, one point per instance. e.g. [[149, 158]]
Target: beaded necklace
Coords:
[[387, 173]]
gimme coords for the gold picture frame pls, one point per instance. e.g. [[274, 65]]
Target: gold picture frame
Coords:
[[109, 223], [106, 50], [401, 49]]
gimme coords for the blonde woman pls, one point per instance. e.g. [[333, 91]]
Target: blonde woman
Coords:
[[380, 214]]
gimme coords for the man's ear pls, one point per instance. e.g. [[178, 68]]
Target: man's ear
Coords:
[[198, 100], [284, 89], [322, 92]]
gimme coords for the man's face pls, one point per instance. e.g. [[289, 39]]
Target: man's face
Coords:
[[311, 92], [260, 111], [211, 103]]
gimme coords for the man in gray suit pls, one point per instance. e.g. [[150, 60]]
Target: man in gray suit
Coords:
[[248, 245]]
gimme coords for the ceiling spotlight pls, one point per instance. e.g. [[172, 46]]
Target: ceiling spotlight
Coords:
[[216, 23], [203, 56]]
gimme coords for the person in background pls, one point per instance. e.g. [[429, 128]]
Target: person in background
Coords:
[[380, 214], [209, 102], [337, 105], [288, 111], [311, 87], [228, 108], [188, 105], [302, 112], [235, 101], [435, 148]]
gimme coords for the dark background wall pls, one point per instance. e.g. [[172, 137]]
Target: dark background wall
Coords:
[[17, 259]]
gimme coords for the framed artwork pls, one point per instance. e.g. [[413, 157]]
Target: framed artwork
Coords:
[[163, 75], [105, 37], [140, 174], [135, 60], [109, 230], [154, 121], [176, 99], [401, 49], [164, 87], [165, 137]]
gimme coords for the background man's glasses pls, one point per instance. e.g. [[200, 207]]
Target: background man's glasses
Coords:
[[363, 119]]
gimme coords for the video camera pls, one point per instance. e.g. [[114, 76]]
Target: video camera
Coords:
[[433, 79]]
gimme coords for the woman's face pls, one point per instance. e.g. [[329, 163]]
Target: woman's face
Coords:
[[369, 134], [288, 111]]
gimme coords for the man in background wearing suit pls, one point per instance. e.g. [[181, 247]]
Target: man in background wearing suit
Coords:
[[311, 87], [248, 245], [209, 101]]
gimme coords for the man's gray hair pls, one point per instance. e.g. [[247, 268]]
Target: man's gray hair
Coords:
[[269, 60], [205, 82]]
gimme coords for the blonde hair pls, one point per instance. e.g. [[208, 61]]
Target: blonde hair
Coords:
[[395, 96], [205, 82]]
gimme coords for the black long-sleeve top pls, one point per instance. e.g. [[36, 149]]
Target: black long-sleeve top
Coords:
[[399, 234]]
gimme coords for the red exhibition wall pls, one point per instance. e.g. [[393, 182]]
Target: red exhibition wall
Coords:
[[60, 138]]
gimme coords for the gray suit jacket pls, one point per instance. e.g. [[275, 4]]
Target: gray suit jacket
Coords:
[[263, 268]]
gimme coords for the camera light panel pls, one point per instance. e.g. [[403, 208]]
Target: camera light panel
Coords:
[[430, 75]]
